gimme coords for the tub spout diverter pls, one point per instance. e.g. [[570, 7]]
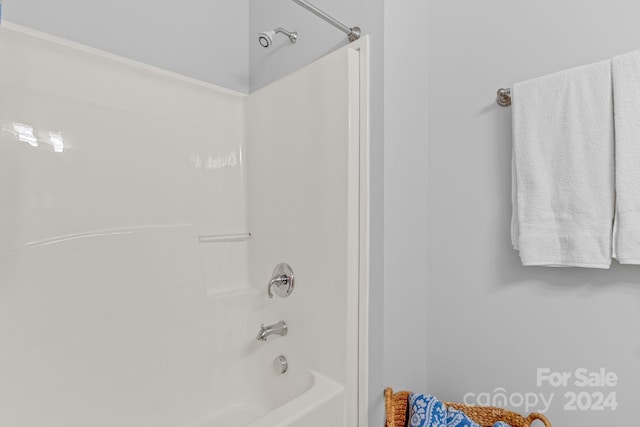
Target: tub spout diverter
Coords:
[[279, 328]]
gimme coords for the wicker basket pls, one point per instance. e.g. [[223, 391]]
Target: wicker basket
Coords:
[[396, 406]]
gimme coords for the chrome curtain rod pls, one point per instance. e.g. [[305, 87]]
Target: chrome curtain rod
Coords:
[[353, 32]]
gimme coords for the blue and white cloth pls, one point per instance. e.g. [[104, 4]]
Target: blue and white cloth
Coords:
[[427, 411]]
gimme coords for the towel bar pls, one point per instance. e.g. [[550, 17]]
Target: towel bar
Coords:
[[504, 97]]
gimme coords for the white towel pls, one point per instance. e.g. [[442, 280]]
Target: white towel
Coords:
[[563, 168], [626, 98]]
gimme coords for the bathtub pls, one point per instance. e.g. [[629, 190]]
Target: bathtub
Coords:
[[320, 404]]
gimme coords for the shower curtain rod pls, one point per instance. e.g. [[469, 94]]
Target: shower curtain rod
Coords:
[[353, 33]]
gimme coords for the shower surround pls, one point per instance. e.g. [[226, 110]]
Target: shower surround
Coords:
[[142, 215]]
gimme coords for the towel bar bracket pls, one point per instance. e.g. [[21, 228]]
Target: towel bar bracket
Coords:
[[503, 97]]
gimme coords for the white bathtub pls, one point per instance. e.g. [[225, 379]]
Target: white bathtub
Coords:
[[321, 404]]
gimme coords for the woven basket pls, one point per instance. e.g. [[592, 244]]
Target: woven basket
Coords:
[[396, 406]]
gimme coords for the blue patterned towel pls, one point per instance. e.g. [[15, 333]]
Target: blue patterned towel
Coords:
[[427, 411]]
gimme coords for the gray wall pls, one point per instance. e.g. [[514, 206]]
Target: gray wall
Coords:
[[491, 322], [316, 39], [405, 194], [204, 39]]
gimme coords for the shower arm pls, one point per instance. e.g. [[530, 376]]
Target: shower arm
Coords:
[[353, 33], [293, 36]]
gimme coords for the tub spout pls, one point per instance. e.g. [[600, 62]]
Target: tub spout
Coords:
[[279, 328]]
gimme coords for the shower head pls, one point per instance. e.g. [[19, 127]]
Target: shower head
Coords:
[[266, 38]]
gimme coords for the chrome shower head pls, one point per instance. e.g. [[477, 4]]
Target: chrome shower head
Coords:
[[266, 38]]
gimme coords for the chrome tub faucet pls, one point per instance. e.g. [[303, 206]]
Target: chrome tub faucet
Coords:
[[279, 328]]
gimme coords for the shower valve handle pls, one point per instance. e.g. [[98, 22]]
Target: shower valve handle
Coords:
[[283, 280]]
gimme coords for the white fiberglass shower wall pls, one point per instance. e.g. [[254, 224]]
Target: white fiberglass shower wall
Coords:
[[141, 216]]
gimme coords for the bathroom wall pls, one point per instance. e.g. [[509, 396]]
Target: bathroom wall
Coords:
[[115, 179], [303, 165], [405, 194], [206, 40], [491, 322], [316, 38]]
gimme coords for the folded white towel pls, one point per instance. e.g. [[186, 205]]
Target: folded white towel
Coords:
[[563, 168], [626, 98]]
